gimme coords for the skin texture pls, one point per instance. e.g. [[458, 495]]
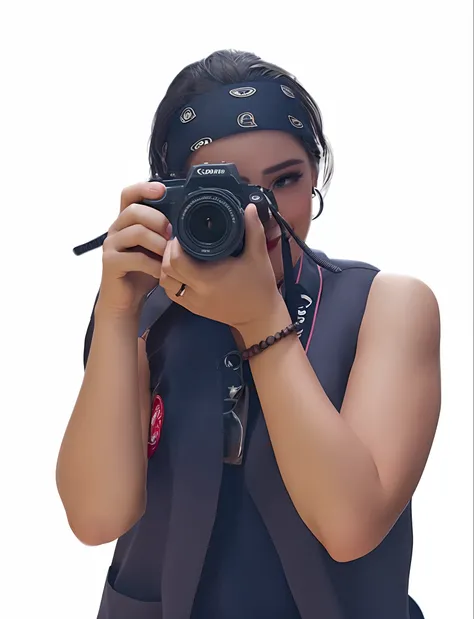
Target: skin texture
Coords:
[[350, 475]]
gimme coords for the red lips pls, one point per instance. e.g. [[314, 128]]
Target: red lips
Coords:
[[271, 244]]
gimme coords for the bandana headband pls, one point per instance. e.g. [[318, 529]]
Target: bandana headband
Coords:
[[235, 109]]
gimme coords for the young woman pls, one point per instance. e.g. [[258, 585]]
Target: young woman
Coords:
[[244, 479]]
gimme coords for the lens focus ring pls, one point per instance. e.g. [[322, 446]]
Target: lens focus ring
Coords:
[[211, 224]]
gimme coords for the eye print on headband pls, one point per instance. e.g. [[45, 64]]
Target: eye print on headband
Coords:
[[187, 115], [244, 91], [295, 122], [246, 120], [287, 91], [200, 143]]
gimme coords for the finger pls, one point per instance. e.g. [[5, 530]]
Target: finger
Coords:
[[175, 262], [145, 215], [172, 287], [255, 241], [133, 236], [140, 191], [131, 262], [192, 270]]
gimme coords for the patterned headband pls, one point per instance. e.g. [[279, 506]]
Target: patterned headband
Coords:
[[235, 109]]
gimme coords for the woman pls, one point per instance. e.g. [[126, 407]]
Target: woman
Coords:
[[275, 481]]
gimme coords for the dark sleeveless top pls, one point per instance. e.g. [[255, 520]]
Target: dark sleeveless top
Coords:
[[242, 574], [218, 541]]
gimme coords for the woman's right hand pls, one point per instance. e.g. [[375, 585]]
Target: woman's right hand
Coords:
[[132, 251]]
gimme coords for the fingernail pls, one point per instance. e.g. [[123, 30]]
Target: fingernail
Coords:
[[169, 231]]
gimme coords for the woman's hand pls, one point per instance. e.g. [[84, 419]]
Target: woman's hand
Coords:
[[235, 291], [133, 250]]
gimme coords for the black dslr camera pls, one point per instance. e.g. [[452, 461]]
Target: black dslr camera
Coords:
[[206, 210]]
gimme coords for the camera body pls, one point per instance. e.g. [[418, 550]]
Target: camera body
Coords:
[[206, 210]]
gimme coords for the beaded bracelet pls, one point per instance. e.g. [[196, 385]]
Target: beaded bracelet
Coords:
[[256, 349]]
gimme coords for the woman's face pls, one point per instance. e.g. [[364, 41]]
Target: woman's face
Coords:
[[277, 161]]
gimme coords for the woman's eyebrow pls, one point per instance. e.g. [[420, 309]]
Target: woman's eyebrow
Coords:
[[275, 168], [281, 166]]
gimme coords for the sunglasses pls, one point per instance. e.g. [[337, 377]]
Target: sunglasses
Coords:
[[236, 412]]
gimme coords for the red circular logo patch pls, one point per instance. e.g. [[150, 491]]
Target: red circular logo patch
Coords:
[[156, 423]]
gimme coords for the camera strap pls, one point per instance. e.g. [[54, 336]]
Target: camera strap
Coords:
[[291, 288]]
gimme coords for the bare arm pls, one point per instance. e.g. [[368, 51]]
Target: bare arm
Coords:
[[102, 464], [350, 475]]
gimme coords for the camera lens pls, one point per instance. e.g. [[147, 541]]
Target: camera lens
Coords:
[[211, 224], [207, 224]]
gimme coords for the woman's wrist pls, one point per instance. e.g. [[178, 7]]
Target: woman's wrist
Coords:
[[259, 329], [106, 314]]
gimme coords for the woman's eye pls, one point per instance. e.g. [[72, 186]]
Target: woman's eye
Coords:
[[286, 180]]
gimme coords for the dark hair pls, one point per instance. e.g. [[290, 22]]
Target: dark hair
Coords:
[[229, 67]]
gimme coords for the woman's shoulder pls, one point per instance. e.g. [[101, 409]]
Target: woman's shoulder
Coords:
[[401, 319], [405, 300], [386, 284], [398, 299]]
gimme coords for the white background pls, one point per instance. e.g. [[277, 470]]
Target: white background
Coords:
[[80, 83]]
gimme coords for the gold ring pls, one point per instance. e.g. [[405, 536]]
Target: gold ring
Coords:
[[181, 291]]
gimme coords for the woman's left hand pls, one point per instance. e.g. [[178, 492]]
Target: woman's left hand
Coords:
[[235, 291]]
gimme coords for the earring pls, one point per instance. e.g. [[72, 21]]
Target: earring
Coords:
[[315, 192]]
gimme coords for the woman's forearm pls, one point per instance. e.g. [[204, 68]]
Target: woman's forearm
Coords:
[[330, 475]]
